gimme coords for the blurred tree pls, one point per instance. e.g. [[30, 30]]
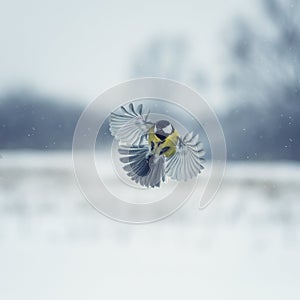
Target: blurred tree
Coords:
[[169, 57], [28, 120], [264, 121], [162, 57]]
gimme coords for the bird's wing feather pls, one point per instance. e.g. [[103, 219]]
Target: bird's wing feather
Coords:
[[130, 126], [141, 166], [186, 163]]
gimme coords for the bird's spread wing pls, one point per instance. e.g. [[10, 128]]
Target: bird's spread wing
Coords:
[[141, 166], [130, 126], [186, 163]]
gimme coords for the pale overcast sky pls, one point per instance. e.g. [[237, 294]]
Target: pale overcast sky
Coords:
[[79, 48]]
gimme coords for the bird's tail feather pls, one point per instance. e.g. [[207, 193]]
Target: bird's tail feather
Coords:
[[141, 166]]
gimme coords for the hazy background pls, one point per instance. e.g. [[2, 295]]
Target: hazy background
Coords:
[[242, 57]]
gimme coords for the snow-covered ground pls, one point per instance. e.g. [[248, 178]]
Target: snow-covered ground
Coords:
[[54, 245]]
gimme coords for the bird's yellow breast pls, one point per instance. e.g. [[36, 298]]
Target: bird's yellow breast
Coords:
[[168, 146]]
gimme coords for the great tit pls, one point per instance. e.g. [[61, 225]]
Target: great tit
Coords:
[[151, 151]]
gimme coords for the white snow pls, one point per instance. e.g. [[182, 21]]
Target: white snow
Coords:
[[54, 245]]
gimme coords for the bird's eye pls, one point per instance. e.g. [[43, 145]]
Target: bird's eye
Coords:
[[163, 150]]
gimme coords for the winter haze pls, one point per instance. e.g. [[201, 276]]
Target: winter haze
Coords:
[[242, 57]]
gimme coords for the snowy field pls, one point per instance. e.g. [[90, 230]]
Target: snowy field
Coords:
[[54, 245]]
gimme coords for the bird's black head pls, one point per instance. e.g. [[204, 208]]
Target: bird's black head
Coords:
[[163, 129]]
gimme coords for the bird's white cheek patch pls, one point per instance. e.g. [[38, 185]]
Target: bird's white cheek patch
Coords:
[[168, 129]]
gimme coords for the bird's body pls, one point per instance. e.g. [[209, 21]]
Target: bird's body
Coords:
[[150, 151], [162, 144]]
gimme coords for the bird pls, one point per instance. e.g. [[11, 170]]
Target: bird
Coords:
[[153, 150]]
